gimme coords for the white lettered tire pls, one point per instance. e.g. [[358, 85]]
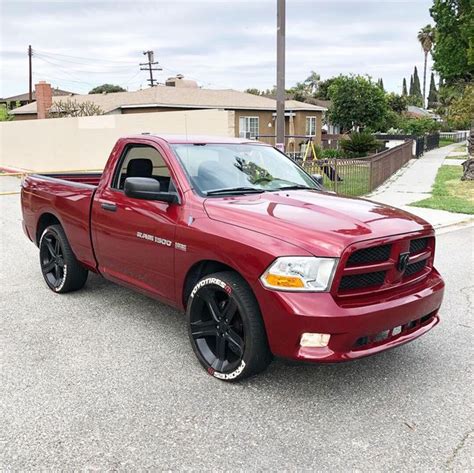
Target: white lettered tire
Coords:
[[226, 328]]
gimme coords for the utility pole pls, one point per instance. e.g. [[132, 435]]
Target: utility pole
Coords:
[[280, 93], [30, 75], [149, 66]]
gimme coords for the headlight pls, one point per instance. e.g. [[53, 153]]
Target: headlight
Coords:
[[300, 273]]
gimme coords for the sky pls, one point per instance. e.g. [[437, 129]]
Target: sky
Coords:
[[220, 43]]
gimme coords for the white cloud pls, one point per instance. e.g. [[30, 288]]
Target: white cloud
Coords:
[[222, 43]]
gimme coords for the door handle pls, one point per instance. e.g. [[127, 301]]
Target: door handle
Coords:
[[108, 206]]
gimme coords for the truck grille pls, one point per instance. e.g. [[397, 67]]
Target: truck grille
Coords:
[[370, 255], [381, 267], [418, 245], [415, 268], [368, 341], [362, 280]]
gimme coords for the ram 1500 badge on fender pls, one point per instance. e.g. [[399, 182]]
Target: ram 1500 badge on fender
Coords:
[[262, 260]]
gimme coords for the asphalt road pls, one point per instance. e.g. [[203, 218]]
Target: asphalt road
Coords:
[[105, 379]]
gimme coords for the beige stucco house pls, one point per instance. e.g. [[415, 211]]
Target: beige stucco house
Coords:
[[254, 115]]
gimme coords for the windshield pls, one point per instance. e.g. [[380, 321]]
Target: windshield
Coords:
[[240, 168]]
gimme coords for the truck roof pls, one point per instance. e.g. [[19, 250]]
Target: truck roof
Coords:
[[191, 139]]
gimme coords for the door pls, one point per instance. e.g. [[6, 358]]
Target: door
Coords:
[[134, 238]]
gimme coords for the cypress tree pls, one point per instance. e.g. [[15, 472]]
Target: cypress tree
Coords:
[[410, 92], [404, 88], [380, 84], [433, 95], [416, 84]]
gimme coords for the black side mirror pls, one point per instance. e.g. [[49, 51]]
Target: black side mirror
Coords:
[[318, 179], [148, 188]]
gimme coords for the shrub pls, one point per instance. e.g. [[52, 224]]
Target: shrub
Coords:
[[331, 153], [4, 115], [418, 126], [360, 144]]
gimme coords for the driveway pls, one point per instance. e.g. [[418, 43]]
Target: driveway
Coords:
[[105, 379]]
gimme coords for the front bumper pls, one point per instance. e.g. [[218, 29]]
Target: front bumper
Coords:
[[356, 329]]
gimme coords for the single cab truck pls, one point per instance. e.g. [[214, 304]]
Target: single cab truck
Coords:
[[262, 259]]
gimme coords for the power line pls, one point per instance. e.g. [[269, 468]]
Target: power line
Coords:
[[88, 71], [47, 53]]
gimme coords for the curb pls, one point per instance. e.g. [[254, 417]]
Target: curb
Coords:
[[455, 226]]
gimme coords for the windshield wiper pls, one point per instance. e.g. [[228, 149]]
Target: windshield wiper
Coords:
[[235, 190], [294, 187]]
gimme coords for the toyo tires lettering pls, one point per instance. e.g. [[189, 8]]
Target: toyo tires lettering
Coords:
[[232, 375], [207, 281]]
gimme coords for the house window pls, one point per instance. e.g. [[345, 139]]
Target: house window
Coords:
[[248, 127], [311, 126]]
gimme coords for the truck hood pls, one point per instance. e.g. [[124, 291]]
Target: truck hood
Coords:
[[321, 223]]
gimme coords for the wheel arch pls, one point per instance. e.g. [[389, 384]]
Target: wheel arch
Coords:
[[200, 269], [47, 219]]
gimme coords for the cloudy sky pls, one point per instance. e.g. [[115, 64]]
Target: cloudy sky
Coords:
[[220, 43]]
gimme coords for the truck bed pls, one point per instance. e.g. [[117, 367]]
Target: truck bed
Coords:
[[63, 197]]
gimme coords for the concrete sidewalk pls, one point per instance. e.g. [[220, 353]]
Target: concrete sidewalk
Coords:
[[413, 182]]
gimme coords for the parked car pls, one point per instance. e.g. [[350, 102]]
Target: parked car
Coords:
[[262, 260]]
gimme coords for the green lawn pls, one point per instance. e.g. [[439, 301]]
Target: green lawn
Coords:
[[355, 177], [457, 157], [450, 193], [445, 142]]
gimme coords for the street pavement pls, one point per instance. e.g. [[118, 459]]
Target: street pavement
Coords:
[[105, 379], [413, 182]]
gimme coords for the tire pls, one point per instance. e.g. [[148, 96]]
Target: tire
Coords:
[[226, 328], [60, 268]]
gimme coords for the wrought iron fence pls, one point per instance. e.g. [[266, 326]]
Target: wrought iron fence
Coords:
[[421, 143], [455, 136], [431, 141]]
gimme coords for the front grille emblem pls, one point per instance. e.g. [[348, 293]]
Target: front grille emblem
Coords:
[[403, 262]]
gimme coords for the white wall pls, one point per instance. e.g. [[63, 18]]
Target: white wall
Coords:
[[62, 144]]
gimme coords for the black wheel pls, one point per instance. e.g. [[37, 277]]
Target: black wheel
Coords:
[[226, 328], [61, 270]]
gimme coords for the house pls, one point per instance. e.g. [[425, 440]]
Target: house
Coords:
[[22, 99], [418, 112], [254, 115]]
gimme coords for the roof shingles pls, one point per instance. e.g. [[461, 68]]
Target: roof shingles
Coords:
[[178, 97]]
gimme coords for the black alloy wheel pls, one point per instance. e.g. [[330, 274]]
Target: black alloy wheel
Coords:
[[225, 327], [52, 260], [61, 270]]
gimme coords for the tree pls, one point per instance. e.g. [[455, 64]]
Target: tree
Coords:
[[410, 90], [404, 88], [106, 88], [433, 95], [356, 102], [397, 103], [312, 83], [323, 89], [461, 111], [416, 84], [380, 84], [4, 115], [73, 108], [426, 38], [253, 91], [453, 51]]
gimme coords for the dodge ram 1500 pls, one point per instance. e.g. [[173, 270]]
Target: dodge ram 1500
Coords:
[[263, 261]]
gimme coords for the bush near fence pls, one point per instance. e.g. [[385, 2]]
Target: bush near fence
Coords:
[[354, 177]]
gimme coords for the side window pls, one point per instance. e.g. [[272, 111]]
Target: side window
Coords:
[[143, 161]]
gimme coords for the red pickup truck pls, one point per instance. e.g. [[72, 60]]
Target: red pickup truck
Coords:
[[262, 259]]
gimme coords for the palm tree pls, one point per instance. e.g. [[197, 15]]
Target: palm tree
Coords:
[[426, 37], [312, 82]]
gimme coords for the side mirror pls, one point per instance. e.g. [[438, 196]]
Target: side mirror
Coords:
[[318, 179], [148, 188]]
